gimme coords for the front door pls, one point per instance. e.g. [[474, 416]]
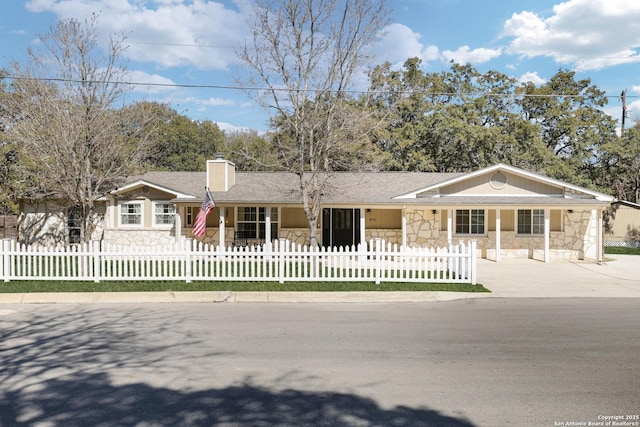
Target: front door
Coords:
[[340, 227]]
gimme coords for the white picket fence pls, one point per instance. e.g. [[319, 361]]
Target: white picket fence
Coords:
[[280, 261]]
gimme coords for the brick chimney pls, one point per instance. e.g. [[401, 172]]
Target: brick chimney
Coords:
[[221, 174]]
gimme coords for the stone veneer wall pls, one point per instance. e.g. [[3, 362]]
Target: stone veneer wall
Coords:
[[299, 236], [423, 229], [140, 238], [389, 235]]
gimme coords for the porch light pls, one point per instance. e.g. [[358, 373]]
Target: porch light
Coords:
[[434, 211]]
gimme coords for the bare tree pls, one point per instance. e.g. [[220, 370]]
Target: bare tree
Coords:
[[304, 57], [70, 120]]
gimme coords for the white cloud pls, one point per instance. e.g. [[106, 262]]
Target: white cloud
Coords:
[[531, 77], [155, 82], [465, 55], [397, 43], [589, 34], [200, 33], [210, 102], [229, 128], [635, 89], [633, 111]]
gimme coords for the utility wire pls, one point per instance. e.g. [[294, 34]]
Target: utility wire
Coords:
[[276, 89]]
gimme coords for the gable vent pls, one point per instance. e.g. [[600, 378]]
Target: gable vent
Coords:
[[498, 180]]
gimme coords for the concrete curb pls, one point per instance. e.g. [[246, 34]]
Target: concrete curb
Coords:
[[235, 297]]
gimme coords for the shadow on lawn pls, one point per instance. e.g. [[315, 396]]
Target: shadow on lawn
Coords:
[[49, 378]]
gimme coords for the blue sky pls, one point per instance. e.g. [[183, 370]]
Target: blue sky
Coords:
[[191, 42]]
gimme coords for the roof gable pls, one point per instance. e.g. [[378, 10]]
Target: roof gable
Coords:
[[143, 188], [502, 180]]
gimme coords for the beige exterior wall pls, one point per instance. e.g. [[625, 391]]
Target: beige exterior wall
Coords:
[[514, 185], [293, 218], [380, 219], [45, 223], [623, 225]]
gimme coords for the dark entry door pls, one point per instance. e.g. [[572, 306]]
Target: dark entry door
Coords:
[[340, 227]]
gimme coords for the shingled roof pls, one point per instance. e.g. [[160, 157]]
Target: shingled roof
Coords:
[[283, 187], [352, 188]]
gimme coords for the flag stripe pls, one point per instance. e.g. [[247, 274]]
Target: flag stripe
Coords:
[[200, 224]]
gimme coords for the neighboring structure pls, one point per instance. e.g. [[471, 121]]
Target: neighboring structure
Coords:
[[8, 227], [623, 224], [509, 211]]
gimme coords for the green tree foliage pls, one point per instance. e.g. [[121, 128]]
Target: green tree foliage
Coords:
[[568, 115], [461, 120], [620, 165], [250, 151], [184, 144], [456, 120], [9, 179]]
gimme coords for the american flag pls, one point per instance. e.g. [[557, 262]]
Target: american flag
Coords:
[[200, 226]]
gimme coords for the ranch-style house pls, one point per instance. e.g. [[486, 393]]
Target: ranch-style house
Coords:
[[510, 212]]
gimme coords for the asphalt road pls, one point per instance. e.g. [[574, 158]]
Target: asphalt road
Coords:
[[484, 362]]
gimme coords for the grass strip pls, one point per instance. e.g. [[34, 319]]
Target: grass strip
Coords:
[[180, 286], [620, 250]]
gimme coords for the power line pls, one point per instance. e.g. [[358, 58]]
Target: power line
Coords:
[[275, 89]]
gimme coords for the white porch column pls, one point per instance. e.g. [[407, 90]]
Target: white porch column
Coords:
[[178, 223], [547, 231], [599, 237], [363, 224], [449, 226], [404, 227], [112, 212], [498, 235], [221, 228], [267, 224]]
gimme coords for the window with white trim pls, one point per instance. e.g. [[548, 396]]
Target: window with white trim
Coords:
[[189, 216], [531, 221], [131, 214], [470, 221], [164, 213], [251, 221]]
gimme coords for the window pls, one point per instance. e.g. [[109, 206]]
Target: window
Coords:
[[251, 221], [530, 221], [131, 213], [74, 221], [164, 213], [469, 221], [189, 216]]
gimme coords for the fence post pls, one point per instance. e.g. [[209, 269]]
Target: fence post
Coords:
[[378, 261], [474, 261], [96, 251], [281, 251], [187, 244], [6, 264]]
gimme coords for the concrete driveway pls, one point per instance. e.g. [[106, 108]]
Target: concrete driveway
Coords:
[[618, 276]]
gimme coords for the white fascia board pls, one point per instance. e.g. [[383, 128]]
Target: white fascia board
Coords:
[[140, 183]]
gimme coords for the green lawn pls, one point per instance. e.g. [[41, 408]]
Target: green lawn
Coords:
[[180, 286], [616, 250]]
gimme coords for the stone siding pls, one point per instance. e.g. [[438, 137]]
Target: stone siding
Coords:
[[140, 238], [423, 228], [392, 236]]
